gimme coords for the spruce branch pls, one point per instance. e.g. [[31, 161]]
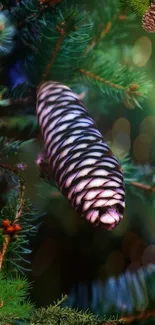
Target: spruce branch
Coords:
[[57, 48], [21, 204], [141, 316], [19, 101], [104, 30], [31, 10], [13, 305], [137, 6], [7, 238], [19, 128], [103, 70], [65, 27], [96, 40], [6, 242], [111, 84], [131, 90]]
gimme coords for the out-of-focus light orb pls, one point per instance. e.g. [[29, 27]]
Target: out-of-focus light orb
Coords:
[[149, 255], [121, 125], [141, 51], [141, 147], [121, 134], [45, 255], [115, 263], [136, 250], [122, 139], [148, 126], [134, 266], [129, 239], [129, 103]]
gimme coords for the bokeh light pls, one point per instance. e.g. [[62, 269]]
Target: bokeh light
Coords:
[[129, 239], [121, 125], [129, 103], [136, 250], [141, 147], [148, 126], [141, 51], [121, 134], [114, 263], [44, 256], [149, 255]]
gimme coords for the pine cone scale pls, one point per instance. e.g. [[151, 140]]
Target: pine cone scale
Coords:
[[148, 20]]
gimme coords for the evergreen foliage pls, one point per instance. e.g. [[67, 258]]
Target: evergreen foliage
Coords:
[[139, 7], [13, 291], [56, 314], [82, 44]]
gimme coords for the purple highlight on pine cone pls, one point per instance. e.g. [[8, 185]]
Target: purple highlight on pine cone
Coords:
[[82, 164]]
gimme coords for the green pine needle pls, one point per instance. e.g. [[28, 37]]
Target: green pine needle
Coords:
[[138, 6], [55, 314], [13, 303], [116, 80]]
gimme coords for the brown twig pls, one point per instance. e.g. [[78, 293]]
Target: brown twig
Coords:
[[144, 186], [6, 242], [54, 55], [7, 238], [97, 78], [57, 48], [21, 202], [103, 32], [130, 89], [96, 40], [140, 316]]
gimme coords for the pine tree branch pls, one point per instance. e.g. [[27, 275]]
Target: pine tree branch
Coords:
[[95, 40], [11, 297], [21, 201], [7, 238], [54, 55], [139, 317], [42, 5], [132, 89], [63, 32], [137, 6], [13, 305], [104, 30], [19, 101], [6, 242]]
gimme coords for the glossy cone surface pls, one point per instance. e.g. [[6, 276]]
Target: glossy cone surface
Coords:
[[82, 164]]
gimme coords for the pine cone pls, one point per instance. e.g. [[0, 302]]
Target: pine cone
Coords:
[[148, 20], [82, 164]]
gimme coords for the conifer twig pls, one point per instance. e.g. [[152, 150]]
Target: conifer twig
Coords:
[[131, 89], [21, 201], [7, 238], [18, 101], [62, 30], [53, 57], [104, 31], [4, 249], [140, 316], [144, 186], [95, 40], [138, 6]]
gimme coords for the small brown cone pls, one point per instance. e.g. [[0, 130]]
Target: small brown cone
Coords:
[[148, 20]]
